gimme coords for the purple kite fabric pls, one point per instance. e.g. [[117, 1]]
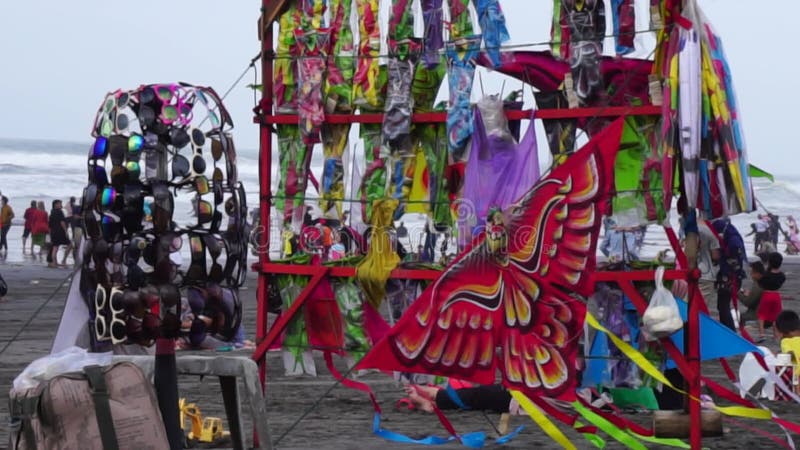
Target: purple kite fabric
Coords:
[[493, 28], [434, 28], [499, 170]]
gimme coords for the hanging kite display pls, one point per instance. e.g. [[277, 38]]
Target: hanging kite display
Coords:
[[156, 138], [513, 300], [339, 99], [495, 294], [700, 123]]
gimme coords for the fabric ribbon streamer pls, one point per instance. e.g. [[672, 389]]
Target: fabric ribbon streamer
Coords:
[[461, 57], [624, 16], [637, 174], [587, 29], [493, 28]]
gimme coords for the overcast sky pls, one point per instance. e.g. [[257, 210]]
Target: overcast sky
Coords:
[[58, 59]]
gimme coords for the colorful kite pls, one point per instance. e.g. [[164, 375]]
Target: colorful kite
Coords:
[[339, 99], [587, 29], [493, 27], [311, 64], [509, 289], [461, 56], [366, 88], [285, 67], [432, 40], [624, 16]]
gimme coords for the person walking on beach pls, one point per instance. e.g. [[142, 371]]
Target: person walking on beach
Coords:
[[76, 223], [29, 216], [6, 214], [731, 268], [58, 234], [39, 227]]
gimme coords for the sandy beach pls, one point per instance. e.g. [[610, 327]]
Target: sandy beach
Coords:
[[342, 419]]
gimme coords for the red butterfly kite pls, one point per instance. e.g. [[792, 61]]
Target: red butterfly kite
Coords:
[[506, 301]]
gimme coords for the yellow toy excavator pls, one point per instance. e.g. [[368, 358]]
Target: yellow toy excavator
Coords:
[[206, 430]]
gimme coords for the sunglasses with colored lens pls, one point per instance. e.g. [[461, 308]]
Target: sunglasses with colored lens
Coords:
[[222, 144], [99, 148], [197, 274], [107, 198], [136, 143], [110, 226], [97, 172]]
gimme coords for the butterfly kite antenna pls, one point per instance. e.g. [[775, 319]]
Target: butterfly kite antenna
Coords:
[[502, 88], [480, 81]]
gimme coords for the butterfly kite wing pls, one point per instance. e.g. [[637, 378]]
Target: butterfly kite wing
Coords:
[[554, 228], [484, 306]]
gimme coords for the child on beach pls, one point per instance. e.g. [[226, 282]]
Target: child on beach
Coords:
[[771, 304], [787, 326], [29, 216], [751, 298]]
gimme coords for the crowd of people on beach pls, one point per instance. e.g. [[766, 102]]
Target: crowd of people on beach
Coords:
[[59, 229]]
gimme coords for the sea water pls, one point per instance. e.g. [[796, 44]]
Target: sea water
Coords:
[[48, 170]]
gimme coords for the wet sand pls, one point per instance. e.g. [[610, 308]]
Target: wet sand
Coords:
[[342, 419]]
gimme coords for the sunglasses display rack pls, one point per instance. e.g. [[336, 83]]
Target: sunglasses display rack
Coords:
[[155, 146]]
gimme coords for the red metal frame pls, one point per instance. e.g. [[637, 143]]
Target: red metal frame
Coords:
[[266, 336]]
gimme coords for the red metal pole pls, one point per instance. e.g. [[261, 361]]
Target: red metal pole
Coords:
[[265, 180]]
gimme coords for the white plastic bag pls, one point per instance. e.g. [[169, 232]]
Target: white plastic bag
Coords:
[[71, 359], [662, 316]]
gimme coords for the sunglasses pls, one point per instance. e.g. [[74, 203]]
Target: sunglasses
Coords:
[[117, 306], [197, 269], [215, 244], [211, 101], [97, 171], [133, 210], [221, 145], [99, 148], [101, 314], [110, 226], [163, 207]]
